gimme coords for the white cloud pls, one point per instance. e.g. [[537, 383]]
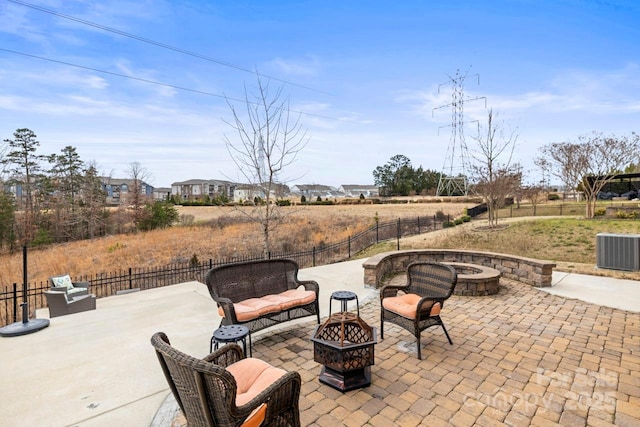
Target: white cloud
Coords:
[[307, 66]]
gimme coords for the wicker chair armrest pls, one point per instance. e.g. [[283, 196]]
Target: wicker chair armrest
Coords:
[[228, 308], [280, 396], [225, 355], [426, 303], [59, 289], [309, 285], [81, 284], [391, 290]]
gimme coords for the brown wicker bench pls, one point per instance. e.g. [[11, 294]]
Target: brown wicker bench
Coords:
[[260, 294]]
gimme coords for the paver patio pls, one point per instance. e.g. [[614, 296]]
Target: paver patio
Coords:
[[521, 357]]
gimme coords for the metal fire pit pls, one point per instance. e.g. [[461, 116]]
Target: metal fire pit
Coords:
[[344, 344]]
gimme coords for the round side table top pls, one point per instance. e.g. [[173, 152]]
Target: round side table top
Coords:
[[344, 295], [230, 333]]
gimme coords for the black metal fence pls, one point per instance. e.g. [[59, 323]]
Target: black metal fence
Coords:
[[106, 284]]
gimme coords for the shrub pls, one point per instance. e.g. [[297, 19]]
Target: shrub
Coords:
[[553, 196], [466, 218], [458, 221], [448, 224], [158, 215], [627, 214], [283, 202], [194, 262], [440, 216], [600, 212]]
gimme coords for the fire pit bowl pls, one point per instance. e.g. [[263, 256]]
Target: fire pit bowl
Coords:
[[344, 344]]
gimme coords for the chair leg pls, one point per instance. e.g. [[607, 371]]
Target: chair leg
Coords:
[[381, 326], [445, 332], [418, 346]]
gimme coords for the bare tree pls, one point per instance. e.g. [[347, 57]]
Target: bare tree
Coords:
[[591, 163], [494, 175], [268, 140], [136, 196], [534, 194], [543, 164]]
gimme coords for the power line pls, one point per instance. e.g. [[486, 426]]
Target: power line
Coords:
[[200, 92], [156, 43]]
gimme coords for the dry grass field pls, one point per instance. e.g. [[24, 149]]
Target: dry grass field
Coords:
[[223, 232], [217, 232]]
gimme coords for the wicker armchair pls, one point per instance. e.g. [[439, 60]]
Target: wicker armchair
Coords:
[[61, 304], [223, 389], [416, 305], [64, 284]]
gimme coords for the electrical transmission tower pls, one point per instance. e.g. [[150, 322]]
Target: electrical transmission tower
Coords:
[[453, 179]]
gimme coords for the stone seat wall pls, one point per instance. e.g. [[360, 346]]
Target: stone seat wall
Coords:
[[530, 271]]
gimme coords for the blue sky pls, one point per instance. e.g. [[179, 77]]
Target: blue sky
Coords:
[[366, 74]]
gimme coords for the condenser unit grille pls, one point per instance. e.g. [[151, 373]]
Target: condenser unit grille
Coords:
[[618, 251]]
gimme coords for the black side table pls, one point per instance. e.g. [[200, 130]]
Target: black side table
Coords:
[[228, 334], [344, 297]]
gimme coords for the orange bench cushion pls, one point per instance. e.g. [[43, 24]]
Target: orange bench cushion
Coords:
[[407, 305], [255, 307]]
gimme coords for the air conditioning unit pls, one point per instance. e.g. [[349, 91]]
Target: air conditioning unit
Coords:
[[618, 251]]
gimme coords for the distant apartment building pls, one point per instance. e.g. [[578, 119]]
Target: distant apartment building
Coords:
[[118, 190], [161, 193], [199, 189]]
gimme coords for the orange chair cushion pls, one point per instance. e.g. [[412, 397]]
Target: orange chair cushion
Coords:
[[256, 417], [252, 377], [253, 308], [407, 305]]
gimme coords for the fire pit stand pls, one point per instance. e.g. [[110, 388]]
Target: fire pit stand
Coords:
[[344, 345]]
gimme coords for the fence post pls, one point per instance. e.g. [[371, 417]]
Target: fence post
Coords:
[[313, 256], [398, 232], [130, 279], [377, 228], [15, 302], [418, 224], [349, 246]]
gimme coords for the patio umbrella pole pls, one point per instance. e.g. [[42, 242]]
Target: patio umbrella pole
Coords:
[[26, 326]]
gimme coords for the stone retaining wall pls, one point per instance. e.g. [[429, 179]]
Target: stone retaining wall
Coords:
[[530, 271]]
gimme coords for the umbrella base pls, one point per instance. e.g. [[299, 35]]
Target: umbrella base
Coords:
[[23, 328]]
